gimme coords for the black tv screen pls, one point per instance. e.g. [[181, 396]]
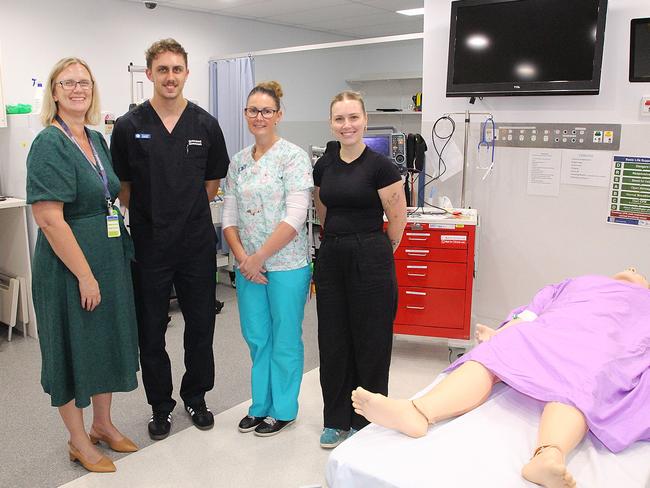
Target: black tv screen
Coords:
[[525, 47]]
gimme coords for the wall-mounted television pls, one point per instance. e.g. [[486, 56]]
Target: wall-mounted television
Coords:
[[525, 47]]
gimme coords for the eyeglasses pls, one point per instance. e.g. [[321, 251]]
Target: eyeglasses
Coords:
[[72, 84], [251, 112]]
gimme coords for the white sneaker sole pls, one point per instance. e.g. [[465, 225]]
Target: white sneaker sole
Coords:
[[276, 432]]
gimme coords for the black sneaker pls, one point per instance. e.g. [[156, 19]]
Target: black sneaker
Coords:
[[160, 424], [201, 416], [249, 423], [270, 426]]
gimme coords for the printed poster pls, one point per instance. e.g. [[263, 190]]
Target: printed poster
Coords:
[[629, 194]]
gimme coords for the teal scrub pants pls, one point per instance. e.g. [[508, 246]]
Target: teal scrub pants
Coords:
[[271, 322]]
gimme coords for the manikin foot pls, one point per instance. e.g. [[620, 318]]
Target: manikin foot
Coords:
[[548, 469], [483, 333], [399, 415]]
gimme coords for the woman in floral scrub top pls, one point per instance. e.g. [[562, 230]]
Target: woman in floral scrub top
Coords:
[[267, 193]]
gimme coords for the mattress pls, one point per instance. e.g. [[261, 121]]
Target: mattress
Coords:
[[486, 448]]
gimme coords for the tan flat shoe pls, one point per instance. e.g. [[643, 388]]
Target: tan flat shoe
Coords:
[[123, 445], [104, 465]]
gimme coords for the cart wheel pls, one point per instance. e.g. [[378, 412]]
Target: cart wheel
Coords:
[[455, 353], [232, 279]]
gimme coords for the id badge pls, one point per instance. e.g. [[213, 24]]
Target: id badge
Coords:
[[113, 225]]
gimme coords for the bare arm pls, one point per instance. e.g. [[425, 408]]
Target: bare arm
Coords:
[[234, 242], [49, 217], [211, 188], [125, 193], [394, 202], [321, 210]]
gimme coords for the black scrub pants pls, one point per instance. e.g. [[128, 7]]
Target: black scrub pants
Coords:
[[356, 301], [194, 279]]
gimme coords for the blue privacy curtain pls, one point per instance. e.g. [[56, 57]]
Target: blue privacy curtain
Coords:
[[230, 82]]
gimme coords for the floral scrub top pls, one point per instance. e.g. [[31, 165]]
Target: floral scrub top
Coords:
[[260, 188]]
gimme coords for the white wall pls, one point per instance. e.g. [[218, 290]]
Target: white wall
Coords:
[[109, 34], [324, 73], [528, 241]]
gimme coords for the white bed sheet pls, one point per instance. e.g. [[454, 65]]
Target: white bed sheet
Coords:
[[484, 448]]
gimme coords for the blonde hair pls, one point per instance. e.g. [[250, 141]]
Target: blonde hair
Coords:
[[50, 108], [168, 45], [348, 95], [271, 88]]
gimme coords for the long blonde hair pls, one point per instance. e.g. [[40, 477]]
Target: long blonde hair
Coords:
[[50, 108]]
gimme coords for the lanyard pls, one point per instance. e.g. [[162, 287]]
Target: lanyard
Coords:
[[98, 167]]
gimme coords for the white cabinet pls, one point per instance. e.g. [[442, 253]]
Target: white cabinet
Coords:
[[393, 92]]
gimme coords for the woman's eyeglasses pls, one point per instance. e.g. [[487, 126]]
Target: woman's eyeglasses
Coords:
[[251, 112], [69, 85]]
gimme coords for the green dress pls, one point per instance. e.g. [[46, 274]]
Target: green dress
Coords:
[[83, 353]]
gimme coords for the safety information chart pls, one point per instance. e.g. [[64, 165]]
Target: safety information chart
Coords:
[[630, 191]]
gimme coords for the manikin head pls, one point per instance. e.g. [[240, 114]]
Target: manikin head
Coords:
[[630, 275]]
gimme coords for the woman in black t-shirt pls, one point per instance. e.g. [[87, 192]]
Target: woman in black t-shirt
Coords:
[[355, 274]]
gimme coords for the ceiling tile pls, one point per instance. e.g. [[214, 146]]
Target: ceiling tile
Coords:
[[392, 4], [275, 8], [352, 18], [382, 30], [323, 17], [351, 22]]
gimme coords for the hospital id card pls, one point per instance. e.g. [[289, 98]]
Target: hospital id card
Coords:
[[113, 224]]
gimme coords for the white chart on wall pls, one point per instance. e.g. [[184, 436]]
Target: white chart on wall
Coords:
[[3, 113]]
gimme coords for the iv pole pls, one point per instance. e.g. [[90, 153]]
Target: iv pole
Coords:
[[467, 115]]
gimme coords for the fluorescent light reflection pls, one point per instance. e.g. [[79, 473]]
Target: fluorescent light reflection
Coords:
[[411, 11], [478, 42], [526, 71]]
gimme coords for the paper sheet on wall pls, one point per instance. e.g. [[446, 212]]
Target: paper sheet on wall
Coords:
[[544, 172], [587, 168], [629, 193]]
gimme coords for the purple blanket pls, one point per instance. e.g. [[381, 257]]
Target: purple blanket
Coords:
[[589, 347]]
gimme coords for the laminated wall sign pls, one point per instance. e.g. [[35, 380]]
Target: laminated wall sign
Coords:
[[629, 195]]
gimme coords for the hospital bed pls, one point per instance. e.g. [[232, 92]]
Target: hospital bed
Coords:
[[485, 448]]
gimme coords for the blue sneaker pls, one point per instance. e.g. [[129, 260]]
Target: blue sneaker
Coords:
[[330, 438], [351, 432]]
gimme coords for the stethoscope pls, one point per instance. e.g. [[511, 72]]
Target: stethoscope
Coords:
[[488, 144]]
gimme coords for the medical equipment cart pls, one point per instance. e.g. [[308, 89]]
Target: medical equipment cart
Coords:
[[435, 266]]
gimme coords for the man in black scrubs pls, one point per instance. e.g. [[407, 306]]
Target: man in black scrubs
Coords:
[[169, 155]]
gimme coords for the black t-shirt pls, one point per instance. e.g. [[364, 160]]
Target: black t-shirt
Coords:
[[168, 203], [349, 190]]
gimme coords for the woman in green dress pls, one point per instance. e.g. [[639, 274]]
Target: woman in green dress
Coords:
[[81, 277]]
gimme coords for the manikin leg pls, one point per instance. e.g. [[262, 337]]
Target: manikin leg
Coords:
[[463, 390], [561, 428]]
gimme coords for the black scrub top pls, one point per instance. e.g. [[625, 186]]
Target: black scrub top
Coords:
[[169, 212], [349, 190]]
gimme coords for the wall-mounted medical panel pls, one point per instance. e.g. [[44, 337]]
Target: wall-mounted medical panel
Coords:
[[594, 137]]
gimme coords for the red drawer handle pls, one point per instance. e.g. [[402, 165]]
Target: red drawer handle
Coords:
[[414, 239], [416, 274], [420, 293], [418, 234], [410, 307]]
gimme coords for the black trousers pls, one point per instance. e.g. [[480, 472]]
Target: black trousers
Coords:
[[356, 301], [194, 281]]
